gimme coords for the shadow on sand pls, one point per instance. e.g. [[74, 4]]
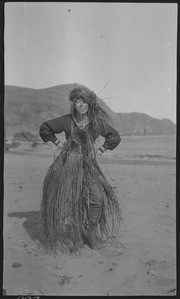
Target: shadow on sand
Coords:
[[31, 224]]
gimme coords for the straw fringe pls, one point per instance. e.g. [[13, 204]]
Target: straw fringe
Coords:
[[66, 201]]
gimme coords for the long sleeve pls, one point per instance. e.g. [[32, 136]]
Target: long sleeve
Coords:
[[112, 137], [51, 127]]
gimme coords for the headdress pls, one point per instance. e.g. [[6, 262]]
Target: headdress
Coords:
[[84, 93], [96, 112]]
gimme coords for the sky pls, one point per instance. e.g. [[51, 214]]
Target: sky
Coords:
[[125, 51]]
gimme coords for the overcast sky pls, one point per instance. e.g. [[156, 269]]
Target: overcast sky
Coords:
[[130, 46]]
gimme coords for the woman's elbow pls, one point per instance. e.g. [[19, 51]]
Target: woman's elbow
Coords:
[[118, 139], [115, 142], [42, 130]]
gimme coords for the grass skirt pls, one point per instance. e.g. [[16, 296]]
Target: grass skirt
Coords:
[[66, 202]]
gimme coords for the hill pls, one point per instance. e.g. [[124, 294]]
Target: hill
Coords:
[[25, 109]]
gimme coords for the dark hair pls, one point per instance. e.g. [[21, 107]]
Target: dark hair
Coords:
[[95, 112]]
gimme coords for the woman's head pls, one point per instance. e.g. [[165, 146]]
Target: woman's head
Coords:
[[86, 100], [83, 101]]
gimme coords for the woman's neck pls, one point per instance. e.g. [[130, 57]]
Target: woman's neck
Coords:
[[81, 117]]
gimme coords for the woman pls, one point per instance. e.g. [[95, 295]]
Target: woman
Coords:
[[79, 206]]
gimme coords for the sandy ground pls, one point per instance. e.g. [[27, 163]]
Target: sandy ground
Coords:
[[144, 263]]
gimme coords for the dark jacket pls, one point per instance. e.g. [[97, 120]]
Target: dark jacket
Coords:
[[61, 124]]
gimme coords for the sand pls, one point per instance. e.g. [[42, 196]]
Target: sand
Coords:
[[143, 263]]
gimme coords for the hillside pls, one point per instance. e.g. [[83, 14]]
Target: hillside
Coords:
[[26, 108]]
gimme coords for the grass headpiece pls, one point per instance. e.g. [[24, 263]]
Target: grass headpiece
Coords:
[[95, 112], [83, 93]]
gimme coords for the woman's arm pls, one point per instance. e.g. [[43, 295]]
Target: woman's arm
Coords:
[[49, 128], [112, 137]]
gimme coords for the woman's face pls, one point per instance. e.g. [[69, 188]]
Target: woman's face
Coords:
[[81, 106]]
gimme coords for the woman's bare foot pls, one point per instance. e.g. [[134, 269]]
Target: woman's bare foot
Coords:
[[94, 241]]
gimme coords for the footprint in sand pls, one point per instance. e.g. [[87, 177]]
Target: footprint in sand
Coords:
[[112, 267], [166, 285], [171, 291], [110, 253], [157, 265], [17, 265], [108, 267], [159, 274], [64, 279]]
